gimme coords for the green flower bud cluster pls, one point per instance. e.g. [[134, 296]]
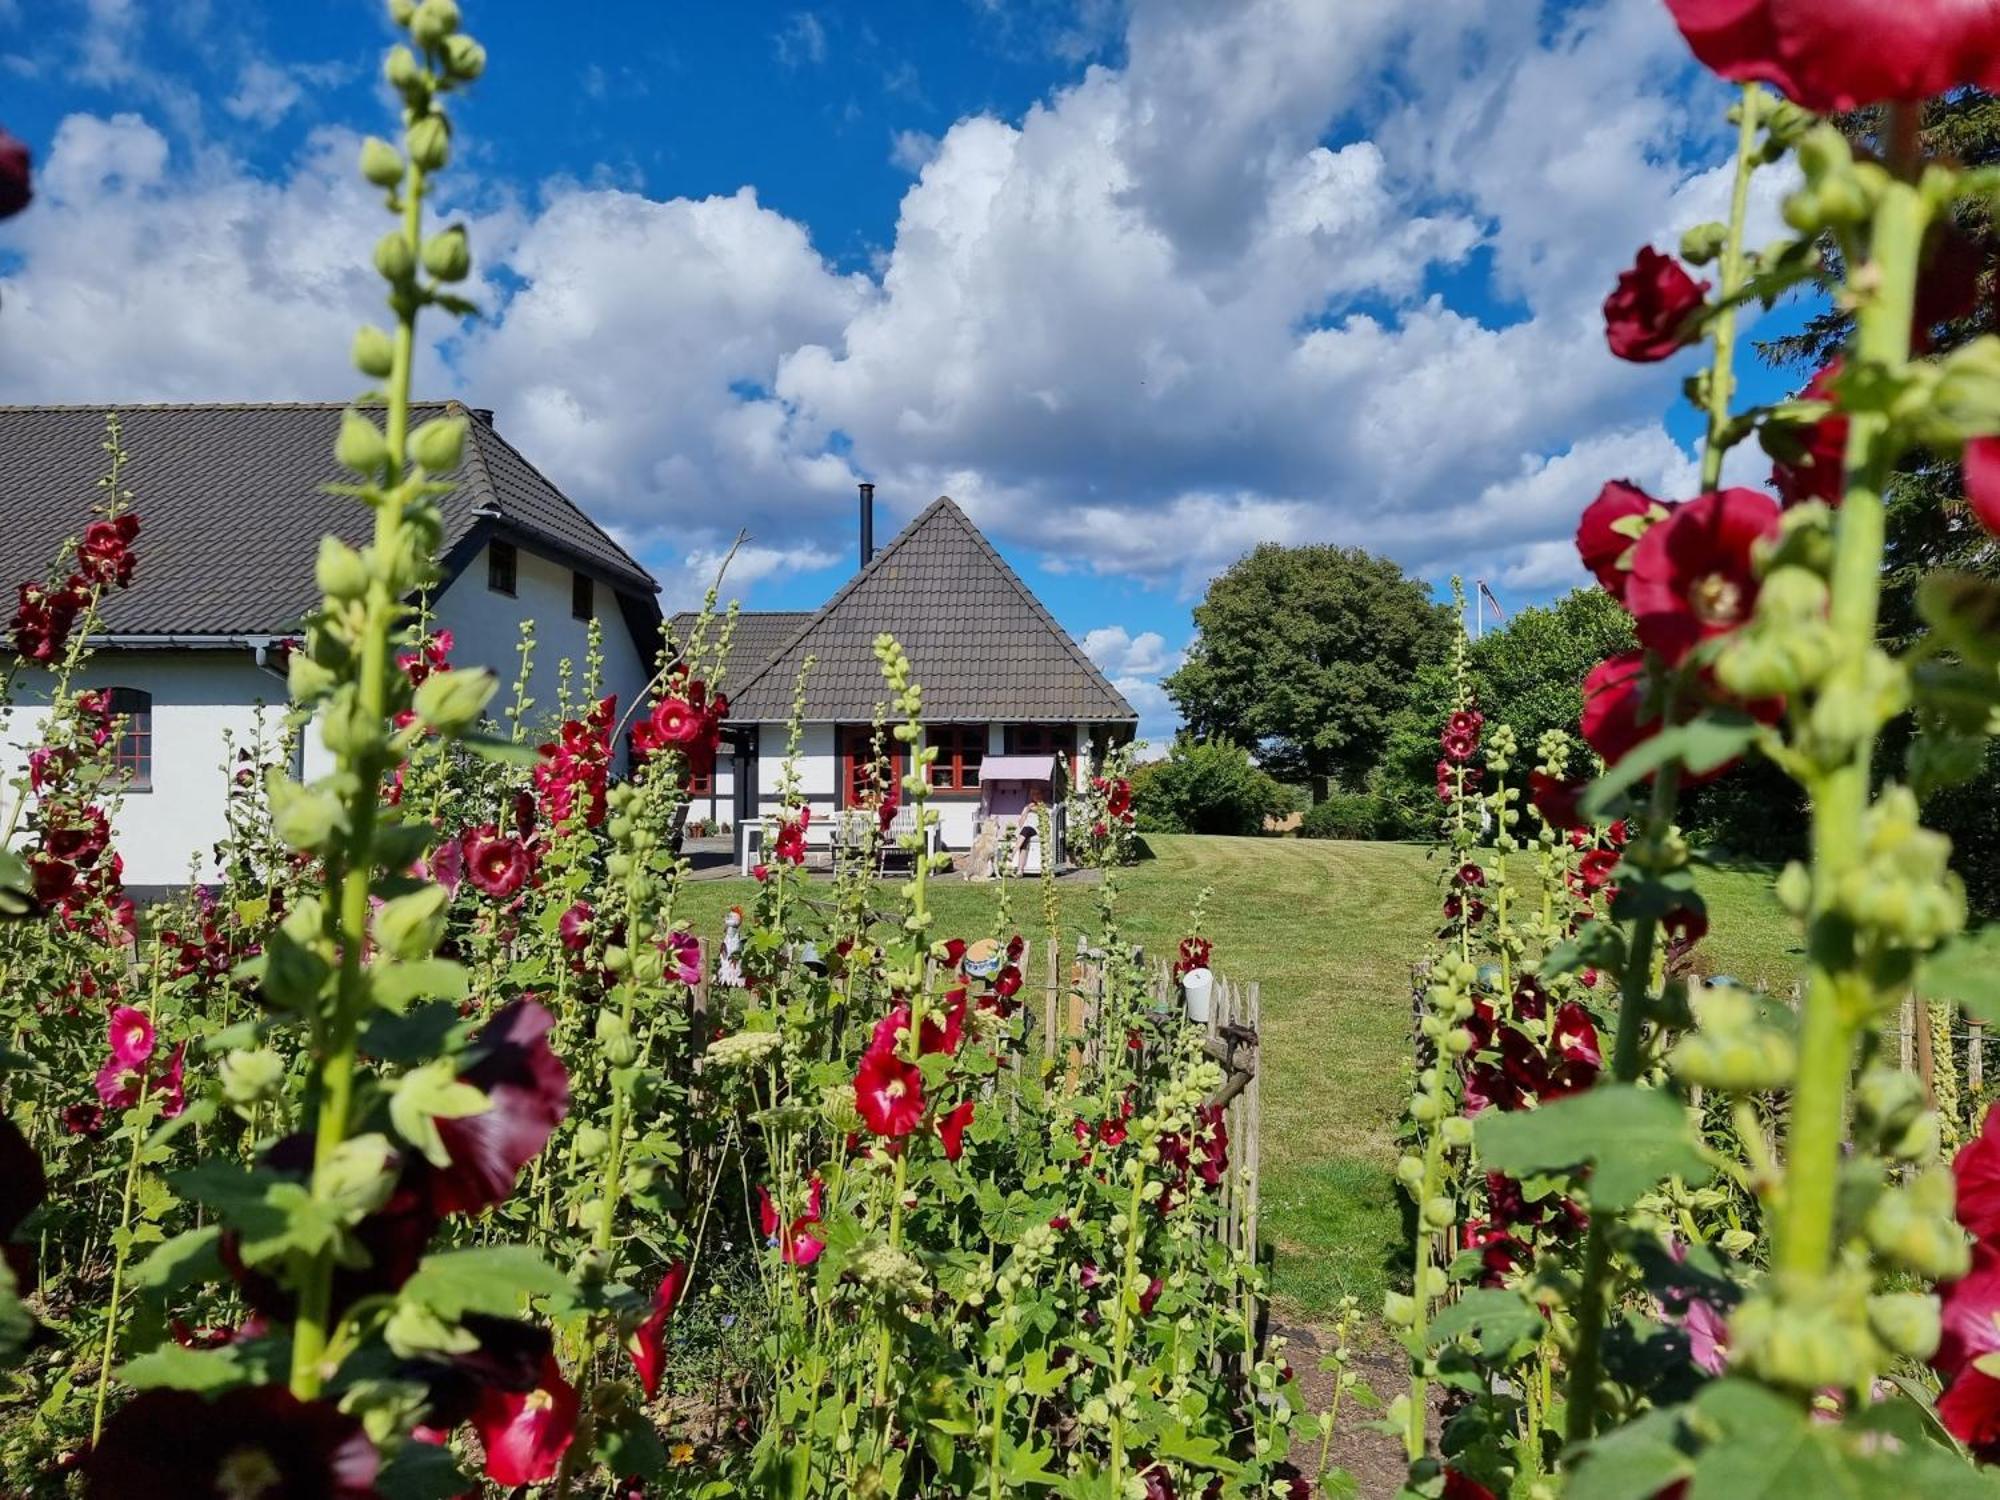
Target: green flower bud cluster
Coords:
[[1891, 1115], [1839, 191], [1501, 747], [1789, 646], [890, 1274], [1903, 889], [1810, 1338], [252, 1077], [1738, 1045], [744, 1049], [1913, 1227]]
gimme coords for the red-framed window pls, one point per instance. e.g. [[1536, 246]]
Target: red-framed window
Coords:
[[132, 756], [1044, 739], [858, 784], [961, 748], [701, 775]]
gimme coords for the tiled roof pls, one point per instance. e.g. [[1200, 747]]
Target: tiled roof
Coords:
[[232, 504], [759, 636], [982, 645]]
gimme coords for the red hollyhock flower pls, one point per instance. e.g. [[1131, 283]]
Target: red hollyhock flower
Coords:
[[1836, 55], [889, 1093], [1470, 874], [1977, 1171], [1593, 871], [17, 187], [42, 622], [526, 1433], [1970, 1335], [800, 1246], [951, 1130], [256, 1442], [1648, 317], [496, 863], [131, 1035], [169, 1087], [1613, 693], [648, 1347], [104, 555], [573, 927], [1691, 575], [944, 1029], [1119, 802], [1458, 1487], [1982, 481], [527, 1095], [1458, 746], [1558, 801], [1820, 473], [1611, 527], [507, 1355], [1574, 1036]]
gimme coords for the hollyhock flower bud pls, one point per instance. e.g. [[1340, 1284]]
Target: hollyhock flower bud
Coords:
[[1610, 529], [1650, 315], [360, 446], [451, 702], [16, 176], [381, 163], [1836, 55], [448, 254], [1693, 575], [429, 140]]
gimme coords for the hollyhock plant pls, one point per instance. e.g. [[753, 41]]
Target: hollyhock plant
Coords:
[[1650, 315], [1610, 529], [648, 1347], [526, 1433], [1693, 576], [889, 1093], [1836, 55], [527, 1096], [249, 1443]]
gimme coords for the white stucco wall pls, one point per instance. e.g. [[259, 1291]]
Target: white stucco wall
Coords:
[[198, 698], [486, 630]]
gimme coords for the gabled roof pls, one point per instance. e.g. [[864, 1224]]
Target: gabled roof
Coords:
[[982, 645], [760, 635], [232, 504]]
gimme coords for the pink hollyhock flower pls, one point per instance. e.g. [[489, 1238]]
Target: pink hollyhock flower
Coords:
[[118, 1084], [1837, 55], [17, 188], [1611, 527], [1649, 316], [168, 1086], [447, 864], [496, 863], [525, 1434], [683, 951], [252, 1441], [1613, 693], [1692, 575], [951, 1130], [648, 1347], [527, 1095], [889, 1093], [131, 1036], [799, 1246], [1820, 473], [1982, 482]]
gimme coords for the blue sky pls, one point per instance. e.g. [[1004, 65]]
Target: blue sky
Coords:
[[1141, 284]]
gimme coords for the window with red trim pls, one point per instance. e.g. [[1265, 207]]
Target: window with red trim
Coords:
[[858, 786], [132, 756], [960, 750]]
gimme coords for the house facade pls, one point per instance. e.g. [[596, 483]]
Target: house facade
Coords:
[[1000, 677], [232, 500]]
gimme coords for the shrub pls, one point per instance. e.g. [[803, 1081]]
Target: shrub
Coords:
[[1204, 786], [1355, 815]]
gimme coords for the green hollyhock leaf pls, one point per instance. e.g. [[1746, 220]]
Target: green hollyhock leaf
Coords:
[[1496, 1318], [1633, 1462], [1966, 971], [1632, 1137], [181, 1369], [17, 890], [1701, 745], [1597, 945], [492, 1279], [395, 985], [421, 1471], [185, 1260]]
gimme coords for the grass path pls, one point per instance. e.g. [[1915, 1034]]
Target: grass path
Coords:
[[1329, 929]]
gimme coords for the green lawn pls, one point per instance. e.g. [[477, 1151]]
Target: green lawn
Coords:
[[1329, 930]]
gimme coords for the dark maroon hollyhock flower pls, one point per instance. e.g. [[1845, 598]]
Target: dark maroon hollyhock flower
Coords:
[[42, 622], [17, 186], [1820, 473], [1692, 575], [496, 863], [1684, 927], [1648, 317], [527, 1095], [649, 1341], [509, 1356], [1611, 527], [573, 927], [257, 1442], [1471, 874], [104, 556], [1982, 482], [1558, 801], [1837, 55], [83, 1119], [1613, 695], [1150, 1296]]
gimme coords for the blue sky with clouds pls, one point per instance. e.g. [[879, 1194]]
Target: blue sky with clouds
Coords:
[[1140, 282]]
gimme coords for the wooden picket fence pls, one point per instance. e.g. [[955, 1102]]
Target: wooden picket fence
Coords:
[[1075, 1026]]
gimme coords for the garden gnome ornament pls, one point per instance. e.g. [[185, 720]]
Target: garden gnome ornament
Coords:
[[730, 970]]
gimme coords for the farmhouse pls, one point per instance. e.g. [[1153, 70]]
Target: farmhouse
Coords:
[[233, 501], [1000, 678]]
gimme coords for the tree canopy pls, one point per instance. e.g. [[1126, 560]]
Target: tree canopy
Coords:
[[1304, 655]]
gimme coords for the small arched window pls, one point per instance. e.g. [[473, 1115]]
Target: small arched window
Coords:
[[133, 755]]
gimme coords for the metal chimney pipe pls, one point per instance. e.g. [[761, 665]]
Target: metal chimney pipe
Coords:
[[867, 523]]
